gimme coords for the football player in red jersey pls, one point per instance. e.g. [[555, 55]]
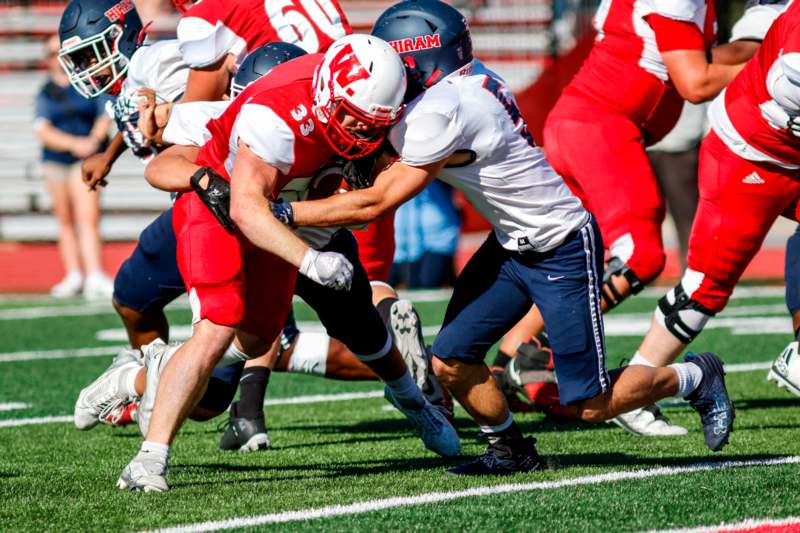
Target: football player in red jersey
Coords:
[[282, 127], [648, 58], [748, 177]]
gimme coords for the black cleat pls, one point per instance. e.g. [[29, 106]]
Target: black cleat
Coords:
[[244, 434], [503, 458], [711, 400]]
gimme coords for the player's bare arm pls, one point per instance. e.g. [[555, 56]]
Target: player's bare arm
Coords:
[[735, 52], [252, 182], [694, 77], [393, 186], [172, 169], [96, 168], [210, 83]]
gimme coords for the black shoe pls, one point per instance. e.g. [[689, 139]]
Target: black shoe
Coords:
[[503, 457], [244, 434], [711, 400]]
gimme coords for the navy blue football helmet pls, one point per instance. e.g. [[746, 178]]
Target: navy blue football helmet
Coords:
[[260, 61], [98, 39], [432, 38]]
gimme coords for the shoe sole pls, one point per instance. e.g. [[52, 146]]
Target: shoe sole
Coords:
[[256, 443], [123, 485], [405, 326], [781, 381], [621, 423]]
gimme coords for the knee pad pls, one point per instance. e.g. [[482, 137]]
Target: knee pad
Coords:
[[609, 293], [682, 316]]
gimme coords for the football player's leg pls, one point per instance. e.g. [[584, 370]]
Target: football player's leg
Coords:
[[350, 317], [210, 261], [147, 281], [733, 218], [487, 300], [315, 353], [616, 183], [376, 251], [785, 370]]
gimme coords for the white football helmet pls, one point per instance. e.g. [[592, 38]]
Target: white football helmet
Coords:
[[362, 76]]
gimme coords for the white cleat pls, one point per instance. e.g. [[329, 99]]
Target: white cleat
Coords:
[[433, 425], [648, 422], [411, 345], [156, 356], [107, 393], [146, 472], [785, 371]]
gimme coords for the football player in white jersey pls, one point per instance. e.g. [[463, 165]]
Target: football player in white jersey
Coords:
[[466, 129]]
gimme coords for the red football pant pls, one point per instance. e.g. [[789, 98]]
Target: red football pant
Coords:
[[601, 157], [739, 202], [230, 282], [376, 247]]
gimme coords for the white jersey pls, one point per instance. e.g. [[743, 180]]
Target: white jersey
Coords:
[[187, 122], [158, 66], [508, 180], [757, 18]]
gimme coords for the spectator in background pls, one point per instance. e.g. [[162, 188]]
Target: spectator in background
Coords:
[[426, 232], [675, 160], [72, 128]]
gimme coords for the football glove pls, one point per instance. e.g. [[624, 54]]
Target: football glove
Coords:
[[215, 195], [283, 211], [330, 269], [358, 173], [794, 125], [126, 116]]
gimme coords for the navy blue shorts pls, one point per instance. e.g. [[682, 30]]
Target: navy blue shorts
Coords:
[[348, 316], [497, 288], [150, 278]]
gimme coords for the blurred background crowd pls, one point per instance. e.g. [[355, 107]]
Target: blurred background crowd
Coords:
[[52, 228]]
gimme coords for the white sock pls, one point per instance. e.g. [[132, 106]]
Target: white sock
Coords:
[[502, 427], [405, 391], [155, 448], [74, 275], [129, 380], [232, 356], [639, 359], [689, 377]]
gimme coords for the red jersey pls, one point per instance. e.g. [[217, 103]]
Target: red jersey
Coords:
[[752, 114], [273, 117], [213, 28], [625, 72]]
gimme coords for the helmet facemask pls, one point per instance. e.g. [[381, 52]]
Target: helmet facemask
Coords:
[[350, 143], [95, 65]]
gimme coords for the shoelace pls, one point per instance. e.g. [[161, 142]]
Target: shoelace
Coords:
[[108, 406]]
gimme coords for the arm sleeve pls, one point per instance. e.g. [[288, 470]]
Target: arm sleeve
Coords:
[[260, 128], [203, 44], [187, 122], [672, 34], [755, 22], [424, 138]]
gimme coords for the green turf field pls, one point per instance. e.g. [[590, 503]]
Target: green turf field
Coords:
[[353, 465]]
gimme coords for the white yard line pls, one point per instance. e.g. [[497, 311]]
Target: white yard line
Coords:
[[36, 355], [367, 506], [34, 421], [744, 525], [296, 400], [14, 406]]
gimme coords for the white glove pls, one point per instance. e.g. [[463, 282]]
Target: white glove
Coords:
[[794, 125], [330, 269]]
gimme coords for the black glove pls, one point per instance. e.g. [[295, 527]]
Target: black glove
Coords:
[[283, 211], [358, 173], [216, 195]]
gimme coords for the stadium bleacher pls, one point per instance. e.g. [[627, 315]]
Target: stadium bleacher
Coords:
[[516, 38]]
